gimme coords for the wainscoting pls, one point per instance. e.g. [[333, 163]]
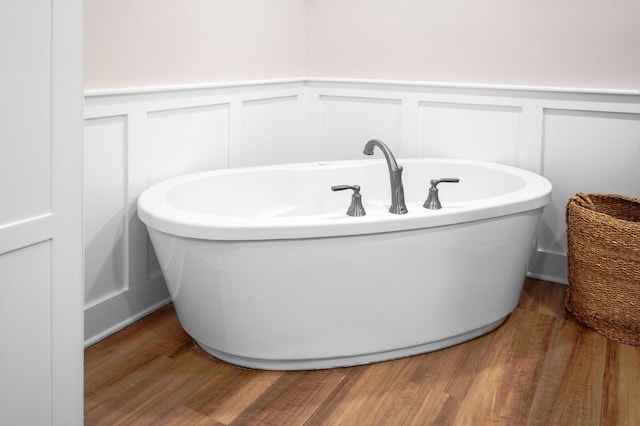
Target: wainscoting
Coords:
[[582, 141]]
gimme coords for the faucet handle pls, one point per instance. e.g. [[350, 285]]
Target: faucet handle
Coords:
[[356, 188], [356, 208], [435, 182], [433, 202]]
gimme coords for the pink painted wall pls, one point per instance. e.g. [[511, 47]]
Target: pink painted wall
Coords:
[[165, 42], [569, 43]]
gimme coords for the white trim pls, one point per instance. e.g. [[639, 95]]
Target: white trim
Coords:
[[114, 314], [17, 235], [319, 80], [481, 86], [548, 266], [67, 355], [93, 93]]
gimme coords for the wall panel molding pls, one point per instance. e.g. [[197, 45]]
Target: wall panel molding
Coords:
[[472, 131], [24, 233], [282, 121], [590, 151], [269, 133], [105, 199], [158, 134], [26, 307], [41, 247], [346, 123]]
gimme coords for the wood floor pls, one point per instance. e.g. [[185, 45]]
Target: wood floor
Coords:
[[541, 367]]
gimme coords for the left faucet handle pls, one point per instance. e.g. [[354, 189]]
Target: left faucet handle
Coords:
[[356, 208]]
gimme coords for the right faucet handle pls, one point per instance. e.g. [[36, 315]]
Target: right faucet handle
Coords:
[[435, 182], [433, 201]]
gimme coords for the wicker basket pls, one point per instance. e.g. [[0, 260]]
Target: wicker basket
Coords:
[[603, 233]]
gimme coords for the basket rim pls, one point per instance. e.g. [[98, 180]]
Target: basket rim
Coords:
[[586, 205]]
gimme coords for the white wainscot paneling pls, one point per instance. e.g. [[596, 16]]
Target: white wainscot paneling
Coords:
[[25, 88], [269, 133], [347, 123], [186, 140], [178, 141], [25, 163], [105, 172], [586, 151], [25, 335], [134, 140], [478, 132]]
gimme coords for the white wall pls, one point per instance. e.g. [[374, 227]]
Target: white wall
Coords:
[[41, 321], [160, 42], [586, 142], [568, 43]]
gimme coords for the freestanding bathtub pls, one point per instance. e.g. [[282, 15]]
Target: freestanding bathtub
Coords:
[[266, 270]]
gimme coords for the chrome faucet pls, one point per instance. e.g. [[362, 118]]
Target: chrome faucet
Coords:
[[395, 176]]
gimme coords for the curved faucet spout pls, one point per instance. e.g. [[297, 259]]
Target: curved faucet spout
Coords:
[[398, 205], [368, 150]]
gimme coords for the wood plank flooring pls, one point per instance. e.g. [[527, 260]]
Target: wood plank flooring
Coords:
[[541, 367]]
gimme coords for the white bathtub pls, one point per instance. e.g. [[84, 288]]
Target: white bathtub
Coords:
[[267, 271]]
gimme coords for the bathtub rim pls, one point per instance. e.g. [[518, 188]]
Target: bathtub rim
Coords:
[[155, 212]]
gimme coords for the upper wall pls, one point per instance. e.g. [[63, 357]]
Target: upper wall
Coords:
[[166, 42], [568, 43]]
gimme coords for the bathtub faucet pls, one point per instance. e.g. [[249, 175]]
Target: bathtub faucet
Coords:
[[395, 176]]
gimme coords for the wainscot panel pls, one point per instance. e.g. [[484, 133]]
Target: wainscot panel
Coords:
[[587, 151], [135, 138], [346, 123], [269, 132], [25, 334], [105, 201], [479, 132], [581, 140]]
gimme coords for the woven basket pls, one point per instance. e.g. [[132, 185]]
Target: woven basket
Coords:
[[603, 233]]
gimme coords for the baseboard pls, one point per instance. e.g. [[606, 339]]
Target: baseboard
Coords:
[[549, 267], [116, 313]]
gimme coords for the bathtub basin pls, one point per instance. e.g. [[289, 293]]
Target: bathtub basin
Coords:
[[266, 270]]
